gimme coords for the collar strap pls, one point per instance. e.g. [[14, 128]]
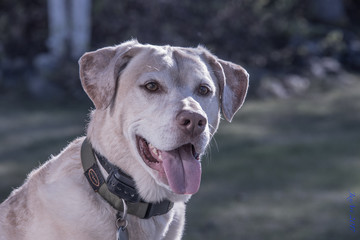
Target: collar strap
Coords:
[[117, 186]]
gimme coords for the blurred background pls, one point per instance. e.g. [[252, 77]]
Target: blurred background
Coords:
[[286, 165]]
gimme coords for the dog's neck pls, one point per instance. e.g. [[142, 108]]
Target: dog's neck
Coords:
[[98, 132]]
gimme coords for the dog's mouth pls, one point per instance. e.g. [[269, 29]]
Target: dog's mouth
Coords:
[[180, 167]]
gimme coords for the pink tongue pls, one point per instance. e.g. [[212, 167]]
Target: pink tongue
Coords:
[[182, 170]]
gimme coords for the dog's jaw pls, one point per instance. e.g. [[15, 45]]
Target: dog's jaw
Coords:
[[151, 181]]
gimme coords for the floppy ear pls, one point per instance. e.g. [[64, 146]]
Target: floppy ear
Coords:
[[234, 81], [100, 69]]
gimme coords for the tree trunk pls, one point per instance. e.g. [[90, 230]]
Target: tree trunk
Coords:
[[81, 27], [58, 27], [69, 27]]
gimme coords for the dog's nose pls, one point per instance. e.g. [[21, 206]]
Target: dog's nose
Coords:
[[192, 123]]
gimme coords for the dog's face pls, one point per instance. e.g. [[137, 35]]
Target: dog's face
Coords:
[[165, 102]]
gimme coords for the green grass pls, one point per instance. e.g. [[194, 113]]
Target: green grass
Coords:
[[281, 170]]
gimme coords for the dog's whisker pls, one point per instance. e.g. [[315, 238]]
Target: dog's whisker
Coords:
[[216, 144], [208, 155], [214, 128]]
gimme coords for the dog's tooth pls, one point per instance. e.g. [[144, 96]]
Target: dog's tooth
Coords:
[[155, 151]]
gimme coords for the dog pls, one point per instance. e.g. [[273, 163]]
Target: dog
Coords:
[[156, 110]]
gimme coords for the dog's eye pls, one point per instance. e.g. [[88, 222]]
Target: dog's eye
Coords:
[[152, 86], [204, 90]]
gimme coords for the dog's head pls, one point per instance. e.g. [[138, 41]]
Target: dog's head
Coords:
[[163, 105]]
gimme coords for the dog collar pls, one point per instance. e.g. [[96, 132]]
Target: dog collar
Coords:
[[118, 186]]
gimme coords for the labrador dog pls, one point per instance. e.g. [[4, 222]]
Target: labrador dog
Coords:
[[156, 110]]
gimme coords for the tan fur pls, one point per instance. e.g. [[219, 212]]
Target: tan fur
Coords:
[[57, 202]]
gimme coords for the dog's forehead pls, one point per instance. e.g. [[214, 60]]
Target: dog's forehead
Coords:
[[180, 61], [188, 59]]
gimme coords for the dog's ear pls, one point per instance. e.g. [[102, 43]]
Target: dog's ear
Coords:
[[233, 82], [100, 69]]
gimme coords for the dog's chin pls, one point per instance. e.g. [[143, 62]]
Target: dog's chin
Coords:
[[177, 170]]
